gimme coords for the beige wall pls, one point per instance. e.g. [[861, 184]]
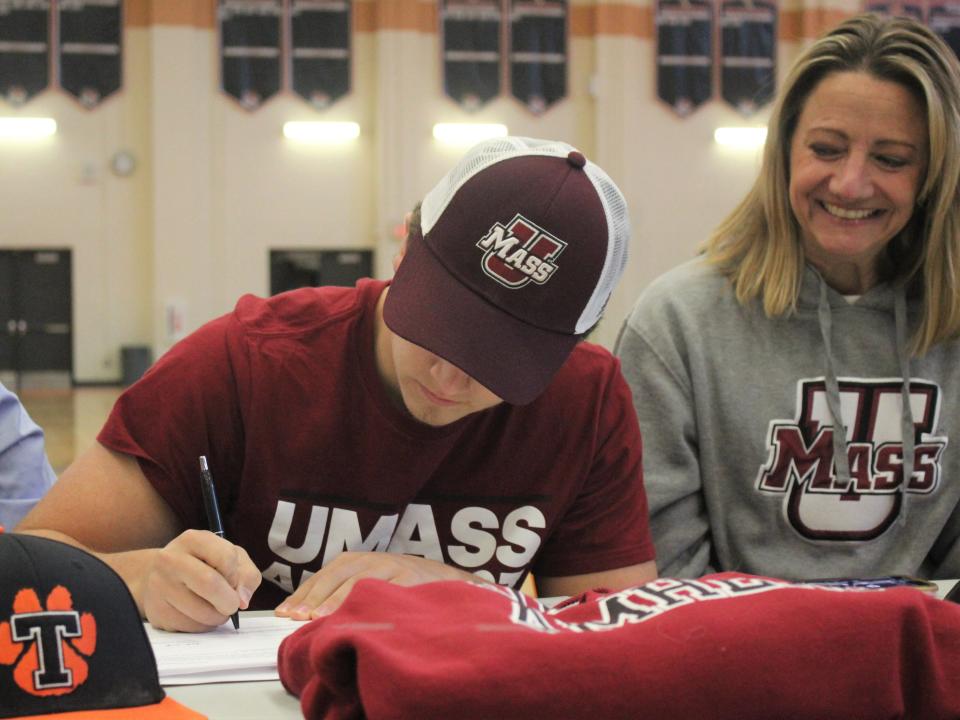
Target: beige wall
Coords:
[[216, 186]]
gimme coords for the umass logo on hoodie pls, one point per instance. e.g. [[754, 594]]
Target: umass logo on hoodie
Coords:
[[817, 503]]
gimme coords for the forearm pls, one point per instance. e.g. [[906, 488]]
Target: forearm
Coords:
[[104, 503], [192, 584], [323, 592], [132, 565]]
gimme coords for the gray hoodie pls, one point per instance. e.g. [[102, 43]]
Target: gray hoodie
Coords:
[[737, 415]]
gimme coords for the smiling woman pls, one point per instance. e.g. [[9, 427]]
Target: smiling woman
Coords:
[[856, 162], [835, 281]]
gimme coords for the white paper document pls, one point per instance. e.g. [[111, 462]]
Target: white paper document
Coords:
[[221, 655]]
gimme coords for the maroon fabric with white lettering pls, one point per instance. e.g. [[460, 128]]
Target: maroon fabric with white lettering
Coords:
[[725, 646], [311, 456]]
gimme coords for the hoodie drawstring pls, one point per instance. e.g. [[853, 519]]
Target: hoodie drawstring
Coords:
[[907, 428], [841, 460]]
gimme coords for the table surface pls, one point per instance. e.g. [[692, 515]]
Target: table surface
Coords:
[[267, 700], [260, 700], [263, 700]]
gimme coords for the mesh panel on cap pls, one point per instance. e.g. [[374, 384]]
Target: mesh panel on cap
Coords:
[[478, 157], [618, 230]]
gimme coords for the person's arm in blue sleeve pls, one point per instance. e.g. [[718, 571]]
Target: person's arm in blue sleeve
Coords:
[[25, 472]]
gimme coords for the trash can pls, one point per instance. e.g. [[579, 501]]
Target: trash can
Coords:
[[134, 359]]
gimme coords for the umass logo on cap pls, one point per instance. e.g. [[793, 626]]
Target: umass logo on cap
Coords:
[[519, 252]]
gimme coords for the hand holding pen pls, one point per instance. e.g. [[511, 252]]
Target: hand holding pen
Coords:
[[212, 508]]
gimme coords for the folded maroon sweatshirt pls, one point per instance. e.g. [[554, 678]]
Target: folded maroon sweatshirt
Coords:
[[724, 646]]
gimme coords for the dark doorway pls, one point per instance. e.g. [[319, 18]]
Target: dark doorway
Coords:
[[290, 269], [36, 315]]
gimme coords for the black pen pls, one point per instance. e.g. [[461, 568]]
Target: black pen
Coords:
[[212, 507]]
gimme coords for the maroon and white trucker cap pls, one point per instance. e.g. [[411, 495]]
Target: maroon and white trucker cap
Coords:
[[519, 248]]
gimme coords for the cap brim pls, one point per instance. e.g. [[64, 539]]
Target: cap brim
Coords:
[[166, 709], [429, 307]]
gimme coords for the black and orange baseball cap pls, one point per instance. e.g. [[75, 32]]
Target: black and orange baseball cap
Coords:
[[72, 644]]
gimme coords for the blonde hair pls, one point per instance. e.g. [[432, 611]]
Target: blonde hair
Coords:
[[758, 246]]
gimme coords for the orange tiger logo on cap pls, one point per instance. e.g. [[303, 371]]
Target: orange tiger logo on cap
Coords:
[[47, 646]]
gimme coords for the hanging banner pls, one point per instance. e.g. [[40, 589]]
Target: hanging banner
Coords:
[[684, 53], [470, 31], [24, 49], [250, 50], [89, 45], [896, 8], [748, 53], [320, 50], [944, 19], [538, 52]]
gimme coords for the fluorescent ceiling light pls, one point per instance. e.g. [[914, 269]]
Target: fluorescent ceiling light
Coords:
[[462, 134], [26, 128], [312, 131], [740, 137]]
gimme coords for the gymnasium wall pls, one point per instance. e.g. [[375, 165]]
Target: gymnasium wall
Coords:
[[216, 186]]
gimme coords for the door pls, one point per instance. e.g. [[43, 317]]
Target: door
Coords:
[[36, 316], [291, 269]]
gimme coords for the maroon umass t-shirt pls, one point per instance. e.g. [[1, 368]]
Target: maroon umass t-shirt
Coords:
[[311, 457]]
